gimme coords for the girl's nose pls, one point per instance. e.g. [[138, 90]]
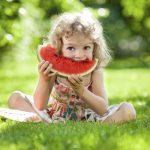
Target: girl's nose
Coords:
[[79, 53]]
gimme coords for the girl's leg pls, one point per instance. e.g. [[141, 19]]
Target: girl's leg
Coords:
[[17, 101], [125, 113]]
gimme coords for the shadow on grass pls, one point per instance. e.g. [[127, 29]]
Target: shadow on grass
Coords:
[[57, 136], [73, 135], [80, 135]]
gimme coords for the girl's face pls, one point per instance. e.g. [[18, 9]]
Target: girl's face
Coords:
[[77, 47]]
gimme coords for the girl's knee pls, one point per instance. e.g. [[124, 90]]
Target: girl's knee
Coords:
[[14, 99], [128, 111]]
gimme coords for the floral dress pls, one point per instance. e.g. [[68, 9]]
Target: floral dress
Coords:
[[65, 104]]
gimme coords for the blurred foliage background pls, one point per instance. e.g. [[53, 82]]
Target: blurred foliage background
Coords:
[[25, 23]]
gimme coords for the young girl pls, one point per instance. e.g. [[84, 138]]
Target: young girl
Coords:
[[79, 37]]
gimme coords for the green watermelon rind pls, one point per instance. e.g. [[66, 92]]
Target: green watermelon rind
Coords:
[[64, 75]]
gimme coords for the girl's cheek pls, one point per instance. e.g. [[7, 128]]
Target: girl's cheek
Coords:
[[89, 55], [67, 54], [64, 52]]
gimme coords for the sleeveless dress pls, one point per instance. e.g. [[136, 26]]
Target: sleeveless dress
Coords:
[[65, 104]]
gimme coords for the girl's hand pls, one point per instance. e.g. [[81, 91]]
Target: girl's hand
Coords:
[[76, 83], [44, 69]]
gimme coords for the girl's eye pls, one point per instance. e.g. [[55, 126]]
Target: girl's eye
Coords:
[[70, 48], [87, 47]]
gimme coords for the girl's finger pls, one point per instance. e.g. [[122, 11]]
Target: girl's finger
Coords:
[[48, 69], [80, 78], [44, 66], [77, 79], [40, 64], [72, 81], [52, 74]]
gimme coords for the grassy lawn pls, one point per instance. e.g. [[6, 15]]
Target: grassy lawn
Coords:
[[122, 85]]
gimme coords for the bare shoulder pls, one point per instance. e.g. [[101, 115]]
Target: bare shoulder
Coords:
[[98, 85], [97, 73], [98, 80]]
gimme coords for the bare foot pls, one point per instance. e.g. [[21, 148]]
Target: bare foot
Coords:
[[33, 118]]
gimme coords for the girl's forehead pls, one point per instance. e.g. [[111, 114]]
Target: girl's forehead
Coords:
[[78, 39]]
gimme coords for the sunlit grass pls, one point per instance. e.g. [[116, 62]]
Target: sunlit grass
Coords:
[[121, 84]]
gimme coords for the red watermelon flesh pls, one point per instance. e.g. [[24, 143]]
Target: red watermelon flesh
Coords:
[[66, 66]]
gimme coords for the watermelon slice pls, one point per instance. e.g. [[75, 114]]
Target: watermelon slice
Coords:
[[65, 66]]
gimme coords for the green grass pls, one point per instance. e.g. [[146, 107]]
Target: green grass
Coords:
[[122, 85]]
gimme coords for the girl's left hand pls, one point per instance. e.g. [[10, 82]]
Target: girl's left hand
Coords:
[[76, 83]]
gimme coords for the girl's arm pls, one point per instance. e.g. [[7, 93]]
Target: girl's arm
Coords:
[[97, 98], [44, 86]]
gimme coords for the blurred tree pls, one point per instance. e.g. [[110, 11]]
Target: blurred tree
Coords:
[[56, 7], [24, 23], [128, 22], [137, 16], [9, 25]]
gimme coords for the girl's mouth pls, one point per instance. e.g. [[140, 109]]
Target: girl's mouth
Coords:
[[79, 59]]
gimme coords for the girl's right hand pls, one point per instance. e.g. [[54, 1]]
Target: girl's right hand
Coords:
[[44, 69]]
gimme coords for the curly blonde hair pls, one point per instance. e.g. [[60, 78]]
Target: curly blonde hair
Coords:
[[69, 23]]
